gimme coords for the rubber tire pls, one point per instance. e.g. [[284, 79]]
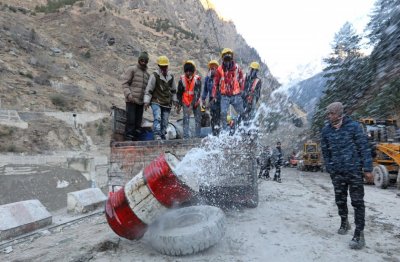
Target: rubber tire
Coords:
[[187, 230], [381, 176]]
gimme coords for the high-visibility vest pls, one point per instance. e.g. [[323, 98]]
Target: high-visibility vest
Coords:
[[235, 90], [188, 93], [253, 86]]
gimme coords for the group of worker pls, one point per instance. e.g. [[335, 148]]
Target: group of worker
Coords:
[[268, 159], [224, 85]]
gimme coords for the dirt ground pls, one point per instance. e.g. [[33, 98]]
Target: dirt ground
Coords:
[[295, 221]]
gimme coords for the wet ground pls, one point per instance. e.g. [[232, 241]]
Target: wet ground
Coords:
[[295, 221]]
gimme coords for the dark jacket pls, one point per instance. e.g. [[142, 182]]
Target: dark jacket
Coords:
[[264, 160], [277, 156], [160, 90], [346, 149], [207, 90], [255, 92]]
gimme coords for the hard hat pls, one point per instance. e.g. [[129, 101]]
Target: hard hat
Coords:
[[189, 66], [213, 62], [255, 65], [228, 118], [163, 60], [189, 62], [226, 51]]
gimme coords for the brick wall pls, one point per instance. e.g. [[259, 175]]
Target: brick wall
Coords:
[[128, 158]]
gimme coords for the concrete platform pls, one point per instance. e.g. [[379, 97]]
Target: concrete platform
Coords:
[[85, 200], [22, 217]]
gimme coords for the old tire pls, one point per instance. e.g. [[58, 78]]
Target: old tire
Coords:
[[381, 176], [187, 230]]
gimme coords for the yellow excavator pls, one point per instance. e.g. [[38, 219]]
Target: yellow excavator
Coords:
[[311, 158], [384, 138]]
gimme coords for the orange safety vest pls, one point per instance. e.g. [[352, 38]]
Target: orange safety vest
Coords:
[[188, 94], [236, 85], [253, 86]]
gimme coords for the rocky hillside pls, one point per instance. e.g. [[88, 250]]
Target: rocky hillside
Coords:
[[70, 57]]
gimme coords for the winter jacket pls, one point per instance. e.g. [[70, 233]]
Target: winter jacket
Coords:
[[208, 88], [264, 160], [228, 82], [160, 90], [134, 82], [277, 156], [345, 150], [189, 91], [252, 89]]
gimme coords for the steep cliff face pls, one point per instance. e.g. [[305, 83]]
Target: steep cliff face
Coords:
[[78, 52]]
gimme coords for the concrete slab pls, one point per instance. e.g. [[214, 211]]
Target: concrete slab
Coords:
[[85, 200], [22, 217]]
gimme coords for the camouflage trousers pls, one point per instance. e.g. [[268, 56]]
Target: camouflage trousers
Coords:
[[354, 184]]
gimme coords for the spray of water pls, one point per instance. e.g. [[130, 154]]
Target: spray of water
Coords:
[[223, 159]]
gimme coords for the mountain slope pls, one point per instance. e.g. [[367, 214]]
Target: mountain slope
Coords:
[[307, 93], [71, 59]]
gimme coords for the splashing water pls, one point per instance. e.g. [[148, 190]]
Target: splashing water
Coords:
[[223, 159]]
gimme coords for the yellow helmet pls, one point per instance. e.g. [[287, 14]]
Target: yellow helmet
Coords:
[[255, 65], [163, 60], [213, 62], [226, 51], [190, 62]]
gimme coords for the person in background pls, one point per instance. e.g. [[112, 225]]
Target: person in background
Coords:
[[189, 89], [264, 160], [134, 83], [277, 156], [160, 94], [213, 104], [347, 159], [228, 80], [252, 91]]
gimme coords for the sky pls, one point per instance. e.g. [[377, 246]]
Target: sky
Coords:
[[292, 36]]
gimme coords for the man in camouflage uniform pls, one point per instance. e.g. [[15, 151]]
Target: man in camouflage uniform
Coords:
[[347, 156]]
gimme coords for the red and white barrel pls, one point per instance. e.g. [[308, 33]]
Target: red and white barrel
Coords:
[[146, 196]]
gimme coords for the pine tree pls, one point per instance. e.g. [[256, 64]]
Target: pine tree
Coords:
[[344, 70]]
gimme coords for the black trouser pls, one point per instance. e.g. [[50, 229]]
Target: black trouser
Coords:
[[215, 111], [353, 183], [264, 171], [134, 116], [277, 171]]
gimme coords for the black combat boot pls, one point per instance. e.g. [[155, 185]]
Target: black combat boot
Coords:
[[358, 241], [344, 227]]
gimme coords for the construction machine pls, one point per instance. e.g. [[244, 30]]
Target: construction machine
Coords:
[[311, 159], [384, 139]]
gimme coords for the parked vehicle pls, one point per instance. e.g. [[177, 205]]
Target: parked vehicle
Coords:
[[311, 158], [384, 139]]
